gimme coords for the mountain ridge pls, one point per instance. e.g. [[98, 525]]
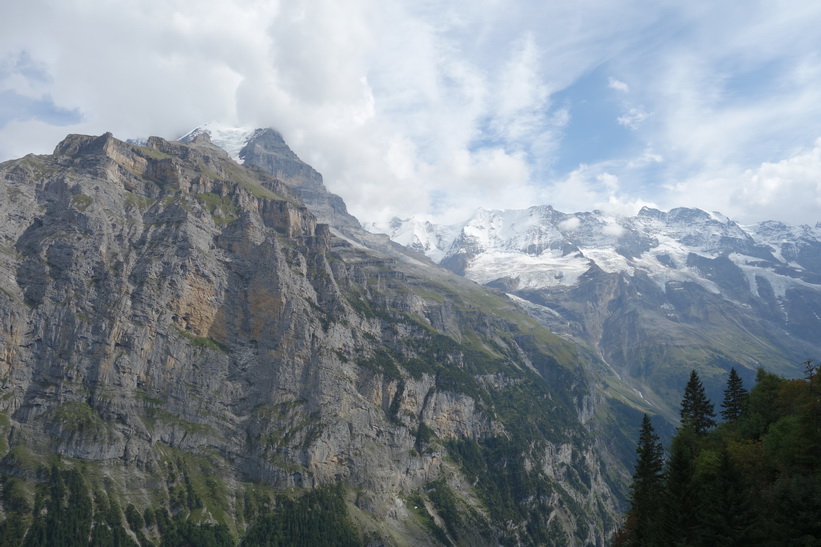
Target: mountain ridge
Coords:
[[654, 294], [548, 229]]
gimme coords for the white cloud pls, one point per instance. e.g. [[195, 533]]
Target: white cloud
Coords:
[[387, 99], [594, 187], [571, 224], [788, 190], [618, 85], [136, 68], [647, 157], [623, 206], [632, 118], [773, 181], [609, 181], [472, 180], [432, 107], [521, 98], [737, 89], [612, 230], [573, 193]]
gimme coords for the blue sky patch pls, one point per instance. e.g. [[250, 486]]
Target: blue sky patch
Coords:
[[593, 133], [16, 107]]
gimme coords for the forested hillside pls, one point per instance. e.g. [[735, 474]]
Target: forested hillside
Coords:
[[753, 479], [69, 509]]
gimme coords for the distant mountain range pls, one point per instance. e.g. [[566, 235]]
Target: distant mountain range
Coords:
[[654, 295]]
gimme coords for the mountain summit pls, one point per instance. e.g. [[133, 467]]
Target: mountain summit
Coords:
[[267, 150]]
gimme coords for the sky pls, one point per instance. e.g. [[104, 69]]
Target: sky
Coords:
[[436, 108]]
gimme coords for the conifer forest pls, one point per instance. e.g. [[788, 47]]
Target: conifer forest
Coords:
[[752, 479]]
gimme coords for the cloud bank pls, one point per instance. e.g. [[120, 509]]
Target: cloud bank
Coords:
[[437, 108]]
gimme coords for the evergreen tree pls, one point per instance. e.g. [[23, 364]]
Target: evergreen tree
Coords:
[[734, 397], [697, 412], [677, 514], [68, 511], [12, 530], [639, 527], [755, 483], [726, 512]]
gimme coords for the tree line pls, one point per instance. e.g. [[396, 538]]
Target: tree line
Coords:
[[752, 479], [67, 513]]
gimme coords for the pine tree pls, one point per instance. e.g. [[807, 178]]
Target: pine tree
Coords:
[[677, 506], [726, 512], [734, 397], [697, 412], [639, 527]]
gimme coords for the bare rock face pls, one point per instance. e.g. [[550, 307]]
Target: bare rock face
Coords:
[[162, 302], [267, 150]]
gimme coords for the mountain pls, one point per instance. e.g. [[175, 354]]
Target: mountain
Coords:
[[654, 295], [197, 351], [267, 150]]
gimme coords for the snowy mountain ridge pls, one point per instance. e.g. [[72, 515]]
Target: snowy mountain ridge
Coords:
[[654, 295], [540, 247]]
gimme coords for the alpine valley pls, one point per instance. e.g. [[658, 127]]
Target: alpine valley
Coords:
[[199, 345], [198, 351]]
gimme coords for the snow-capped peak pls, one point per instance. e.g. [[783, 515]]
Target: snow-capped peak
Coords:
[[419, 235], [229, 138]]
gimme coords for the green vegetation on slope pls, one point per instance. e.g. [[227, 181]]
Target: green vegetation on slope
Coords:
[[68, 509], [752, 480]]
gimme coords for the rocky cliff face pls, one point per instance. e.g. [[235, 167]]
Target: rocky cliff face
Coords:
[[167, 313]]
